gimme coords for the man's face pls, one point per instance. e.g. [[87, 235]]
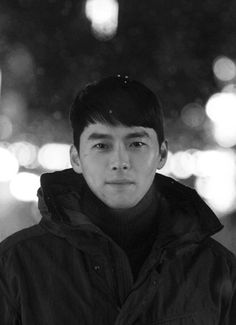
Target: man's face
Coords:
[[118, 162]]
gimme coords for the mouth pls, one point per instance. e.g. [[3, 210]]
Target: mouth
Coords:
[[120, 182]]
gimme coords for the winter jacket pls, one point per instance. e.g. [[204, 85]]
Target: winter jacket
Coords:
[[65, 270]]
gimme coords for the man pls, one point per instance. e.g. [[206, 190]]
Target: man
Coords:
[[118, 243]]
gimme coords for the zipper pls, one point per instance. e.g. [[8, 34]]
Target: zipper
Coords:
[[129, 316]]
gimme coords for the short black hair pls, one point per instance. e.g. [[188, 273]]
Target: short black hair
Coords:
[[114, 101]]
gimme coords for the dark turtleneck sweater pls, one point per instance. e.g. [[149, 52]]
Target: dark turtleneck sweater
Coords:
[[133, 229]]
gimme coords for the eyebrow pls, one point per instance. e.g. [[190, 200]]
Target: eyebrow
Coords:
[[105, 136]]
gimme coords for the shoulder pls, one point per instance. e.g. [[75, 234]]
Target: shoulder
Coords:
[[222, 255], [20, 237], [219, 249]]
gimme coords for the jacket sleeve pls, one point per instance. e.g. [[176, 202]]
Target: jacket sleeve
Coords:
[[230, 318], [8, 312], [8, 315], [232, 311]]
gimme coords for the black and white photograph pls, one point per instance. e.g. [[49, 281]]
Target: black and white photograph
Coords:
[[117, 162]]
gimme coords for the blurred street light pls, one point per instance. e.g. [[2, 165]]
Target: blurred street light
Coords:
[[224, 68], [193, 115], [221, 109], [9, 165], [182, 164], [6, 127], [54, 156], [20, 65], [0, 83], [25, 152], [14, 106], [103, 15], [214, 163], [225, 137], [216, 178], [219, 191], [24, 186], [229, 88]]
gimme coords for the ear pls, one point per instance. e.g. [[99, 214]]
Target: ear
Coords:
[[75, 160], [163, 153]]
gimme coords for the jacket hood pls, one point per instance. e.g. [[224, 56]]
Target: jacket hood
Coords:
[[184, 216]]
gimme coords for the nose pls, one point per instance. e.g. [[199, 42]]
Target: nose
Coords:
[[120, 160], [123, 166]]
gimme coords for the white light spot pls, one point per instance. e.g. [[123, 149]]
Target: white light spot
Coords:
[[8, 165], [54, 156], [221, 108], [103, 15], [25, 152], [225, 136], [182, 164], [224, 68], [214, 162], [220, 192], [24, 186]]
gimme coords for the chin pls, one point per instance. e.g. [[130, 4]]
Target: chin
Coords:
[[121, 205]]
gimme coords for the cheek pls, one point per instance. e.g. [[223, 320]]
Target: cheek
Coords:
[[92, 170], [148, 163], [151, 161]]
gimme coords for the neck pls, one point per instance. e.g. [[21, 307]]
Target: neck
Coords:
[[130, 222], [127, 215], [133, 229]]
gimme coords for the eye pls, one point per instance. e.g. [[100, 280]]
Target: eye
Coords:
[[137, 144], [101, 146]]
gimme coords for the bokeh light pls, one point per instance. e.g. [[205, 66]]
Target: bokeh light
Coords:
[[9, 165], [6, 127], [225, 137], [224, 68], [214, 171], [25, 152], [54, 156], [103, 15], [216, 178], [20, 64], [229, 88], [182, 164], [193, 115], [14, 107], [221, 109], [220, 192], [214, 163], [0, 83], [24, 186], [5, 197]]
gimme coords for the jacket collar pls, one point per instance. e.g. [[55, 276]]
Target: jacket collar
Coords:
[[184, 217]]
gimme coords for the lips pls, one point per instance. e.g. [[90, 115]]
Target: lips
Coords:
[[120, 182]]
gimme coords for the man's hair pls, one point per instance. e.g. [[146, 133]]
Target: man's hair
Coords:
[[116, 101]]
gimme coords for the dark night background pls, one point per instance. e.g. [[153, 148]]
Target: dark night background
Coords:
[[168, 45]]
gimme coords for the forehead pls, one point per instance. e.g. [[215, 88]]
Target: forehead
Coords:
[[100, 130]]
